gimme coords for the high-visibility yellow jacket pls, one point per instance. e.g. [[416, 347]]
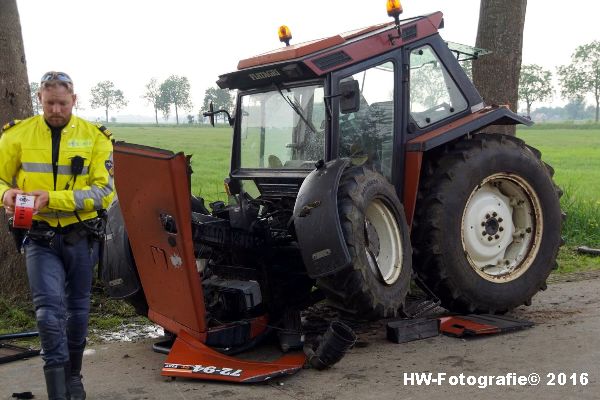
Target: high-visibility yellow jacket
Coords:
[[26, 162]]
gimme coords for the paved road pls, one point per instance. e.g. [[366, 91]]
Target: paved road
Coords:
[[565, 340]]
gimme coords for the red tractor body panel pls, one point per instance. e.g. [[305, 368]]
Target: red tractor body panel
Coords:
[[165, 261], [154, 198]]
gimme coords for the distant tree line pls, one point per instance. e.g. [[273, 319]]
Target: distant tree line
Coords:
[[577, 80], [172, 95]]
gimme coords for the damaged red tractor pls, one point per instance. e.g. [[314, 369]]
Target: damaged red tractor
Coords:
[[358, 161]]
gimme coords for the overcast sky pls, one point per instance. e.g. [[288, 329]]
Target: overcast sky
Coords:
[[131, 41]]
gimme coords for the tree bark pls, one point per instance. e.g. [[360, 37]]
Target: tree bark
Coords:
[[15, 100], [496, 75], [15, 103]]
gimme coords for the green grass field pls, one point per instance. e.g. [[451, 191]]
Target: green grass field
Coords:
[[574, 154], [210, 149]]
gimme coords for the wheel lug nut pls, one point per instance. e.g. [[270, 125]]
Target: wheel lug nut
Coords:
[[487, 216], [528, 230], [483, 224], [501, 229], [494, 214], [497, 236], [484, 233], [490, 238], [500, 220], [522, 235]]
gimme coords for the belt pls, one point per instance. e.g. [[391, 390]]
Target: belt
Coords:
[[61, 230]]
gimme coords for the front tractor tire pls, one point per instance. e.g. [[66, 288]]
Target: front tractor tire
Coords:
[[375, 230], [488, 224]]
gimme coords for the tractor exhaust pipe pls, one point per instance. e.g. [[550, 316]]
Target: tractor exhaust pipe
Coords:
[[333, 346]]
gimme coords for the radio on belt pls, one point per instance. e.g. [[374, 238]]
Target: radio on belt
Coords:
[[23, 211]]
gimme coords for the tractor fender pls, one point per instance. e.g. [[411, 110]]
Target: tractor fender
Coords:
[[492, 115], [317, 221], [415, 148]]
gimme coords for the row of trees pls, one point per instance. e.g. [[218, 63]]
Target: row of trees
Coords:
[[174, 94], [171, 95], [577, 80]]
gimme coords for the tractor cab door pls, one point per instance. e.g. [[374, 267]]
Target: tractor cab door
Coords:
[[369, 133]]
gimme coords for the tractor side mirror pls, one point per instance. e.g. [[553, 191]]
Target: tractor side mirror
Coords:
[[349, 96], [211, 114]]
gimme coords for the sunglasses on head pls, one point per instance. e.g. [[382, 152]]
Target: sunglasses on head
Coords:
[[56, 76]]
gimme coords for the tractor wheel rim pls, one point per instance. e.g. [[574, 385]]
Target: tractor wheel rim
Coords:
[[383, 245], [502, 227]]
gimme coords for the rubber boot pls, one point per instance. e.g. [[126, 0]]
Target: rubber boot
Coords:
[[68, 380], [56, 382], [76, 385]]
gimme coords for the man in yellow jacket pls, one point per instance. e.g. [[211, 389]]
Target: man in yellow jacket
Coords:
[[66, 163]]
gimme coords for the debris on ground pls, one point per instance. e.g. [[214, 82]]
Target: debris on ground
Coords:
[[588, 250]]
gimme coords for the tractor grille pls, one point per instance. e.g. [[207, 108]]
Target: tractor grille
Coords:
[[410, 32], [278, 189]]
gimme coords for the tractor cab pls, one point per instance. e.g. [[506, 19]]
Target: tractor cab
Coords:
[[361, 95]]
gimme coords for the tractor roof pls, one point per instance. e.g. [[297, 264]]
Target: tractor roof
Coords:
[[319, 57]]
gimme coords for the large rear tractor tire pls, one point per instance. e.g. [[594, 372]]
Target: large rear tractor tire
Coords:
[[377, 236], [119, 272], [488, 224]]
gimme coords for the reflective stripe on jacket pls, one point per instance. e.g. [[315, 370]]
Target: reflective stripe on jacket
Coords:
[[26, 159]]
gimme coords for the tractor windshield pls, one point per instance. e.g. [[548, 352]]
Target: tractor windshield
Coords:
[[283, 128]]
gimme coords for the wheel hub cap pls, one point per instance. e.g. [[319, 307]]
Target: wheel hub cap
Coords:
[[501, 227], [383, 245], [491, 226]]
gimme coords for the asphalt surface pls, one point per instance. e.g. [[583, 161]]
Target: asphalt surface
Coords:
[[563, 349]]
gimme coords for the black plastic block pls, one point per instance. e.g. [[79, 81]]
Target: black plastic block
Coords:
[[406, 330]]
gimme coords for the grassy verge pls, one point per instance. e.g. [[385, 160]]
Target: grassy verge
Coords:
[[573, 150], [106, 314], [16, 317]]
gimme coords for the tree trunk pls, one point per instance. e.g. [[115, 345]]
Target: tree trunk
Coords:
[[496, 75], [15, 100], [15, 103], [106, 114], [597, 106], [156, 115], [176, 114]]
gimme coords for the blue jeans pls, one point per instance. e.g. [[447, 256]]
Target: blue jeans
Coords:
[[60, 278]]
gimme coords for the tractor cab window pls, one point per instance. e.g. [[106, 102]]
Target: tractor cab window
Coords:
[[283, 128], [433, 94], [367, 134]]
